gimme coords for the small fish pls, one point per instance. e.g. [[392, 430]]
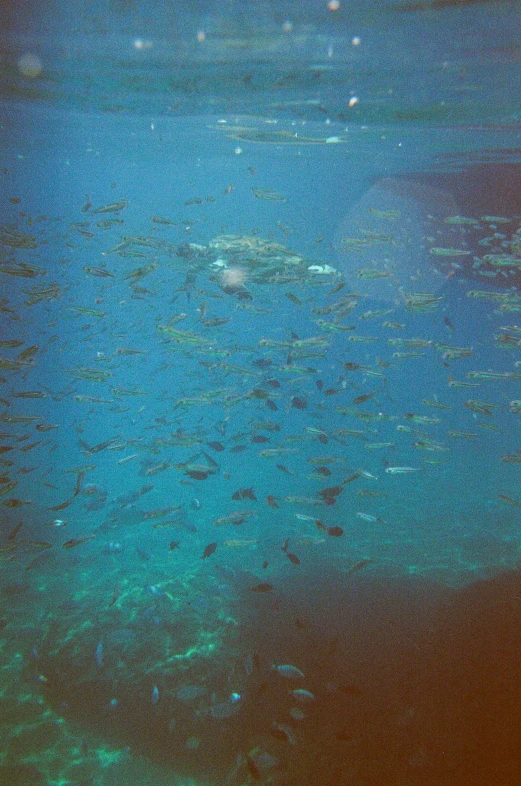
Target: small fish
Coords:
[[155, 695], [100, 272], [115, 595], [99, 654], [252, 768], [301, 694], [284, 469], [262, 587], [61, 506], [364, 397], [401, 470], [209, 550], [358, 566], [217, 446], [244, 494], [504, 497], [70, 544], [288, 671], [12, 535], [293, 558]]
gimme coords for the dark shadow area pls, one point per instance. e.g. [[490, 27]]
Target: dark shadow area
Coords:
[[412, 683]]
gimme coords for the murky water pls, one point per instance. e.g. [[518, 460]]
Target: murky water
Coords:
[[260, 400]]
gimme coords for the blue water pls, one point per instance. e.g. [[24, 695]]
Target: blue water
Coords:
[[259, 352]]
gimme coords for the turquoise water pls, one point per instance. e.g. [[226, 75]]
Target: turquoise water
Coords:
[[261, 390]]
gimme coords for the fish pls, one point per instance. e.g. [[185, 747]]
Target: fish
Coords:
[[14, 532], [303, 695], [283, 732], [510, 500], [288, 671], [252, 767], [358, 566], [209, 550], [262, 587], [401, 470], [70, 544], [61, 506], [217, 446], [238, 517], [114, 207], [244, 494], [293, 558]]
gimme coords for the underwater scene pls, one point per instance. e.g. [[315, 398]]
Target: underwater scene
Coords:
[[260, 402]]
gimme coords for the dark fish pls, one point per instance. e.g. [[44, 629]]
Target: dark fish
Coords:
[[286, 544], [69, 544], [252, 768], [329, 495], [336, 532], [293, 298], [217, 446], [448, 323], [238, 448], [271, 500], [279, 733], [132, 496], [262, 587], [244, 494], [293, 558], [12, 535], [324, 471], [323, 439], [352, 477], [79, 482], [209, 550], [358, 566], [262, 362], [364, 397], [265, 564], [299, 402], [197, 474], [271, 404], [273, 383], [174, 544], [285, 470], [259, 438], [319, 384], [115, 595], [61, 506]]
